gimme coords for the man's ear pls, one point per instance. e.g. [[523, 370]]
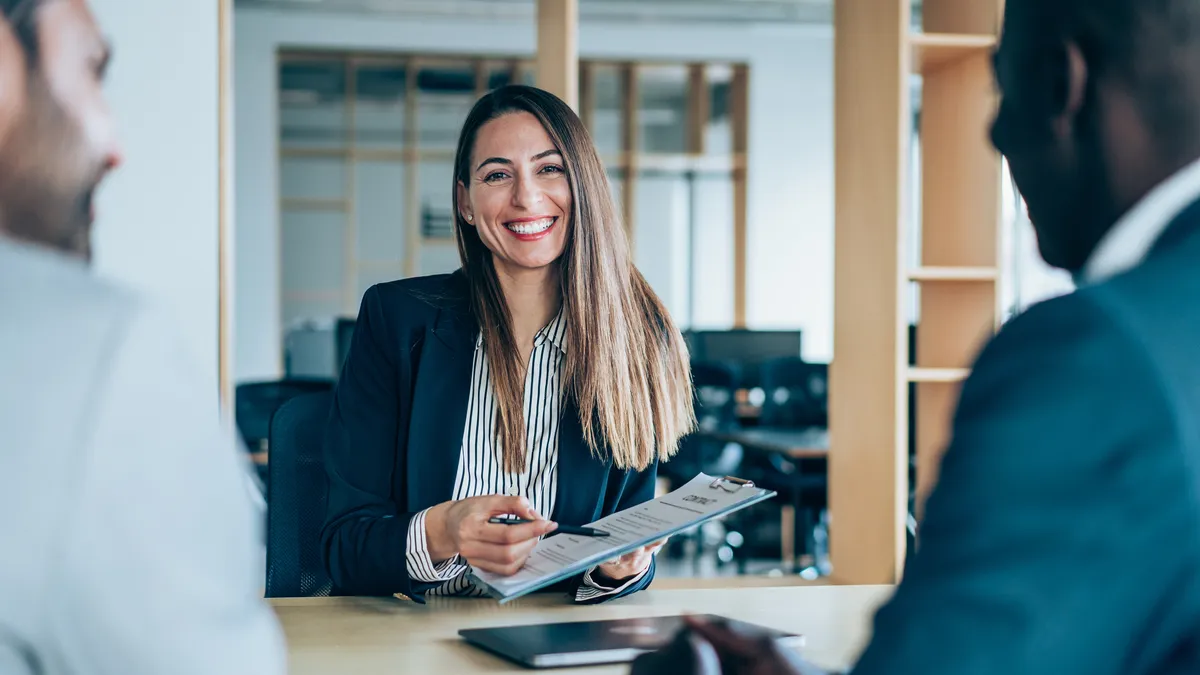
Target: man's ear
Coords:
[[1071, 88], [464, 203]]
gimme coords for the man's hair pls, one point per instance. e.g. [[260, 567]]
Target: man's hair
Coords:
[[22, 16], [1152, 45]]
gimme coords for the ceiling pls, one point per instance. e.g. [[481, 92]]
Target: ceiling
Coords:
[[754, 11]]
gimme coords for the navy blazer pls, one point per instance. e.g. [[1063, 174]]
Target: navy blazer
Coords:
[[395, 434], [1063, 535]]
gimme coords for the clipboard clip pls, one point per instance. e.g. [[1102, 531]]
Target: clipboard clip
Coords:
[[725, 483]]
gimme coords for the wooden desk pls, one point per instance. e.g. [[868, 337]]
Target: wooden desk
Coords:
[[383, 636]]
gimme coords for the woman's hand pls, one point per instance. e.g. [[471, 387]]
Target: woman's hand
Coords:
[[617, 572], [462, 528]]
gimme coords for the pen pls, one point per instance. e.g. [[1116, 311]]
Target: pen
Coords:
[[561, 529]]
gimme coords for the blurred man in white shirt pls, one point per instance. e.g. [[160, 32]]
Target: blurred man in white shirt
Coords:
[[129, 543]]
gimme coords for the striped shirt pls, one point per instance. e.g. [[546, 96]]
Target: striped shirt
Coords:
[[481, 463]]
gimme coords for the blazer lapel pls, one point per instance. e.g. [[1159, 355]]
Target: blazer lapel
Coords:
[[582, 478], [439, 410]]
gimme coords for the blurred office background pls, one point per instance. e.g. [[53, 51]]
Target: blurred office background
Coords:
[[333, 123]]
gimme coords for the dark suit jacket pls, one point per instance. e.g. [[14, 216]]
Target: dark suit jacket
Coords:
[[396, 429], [1064, 534]]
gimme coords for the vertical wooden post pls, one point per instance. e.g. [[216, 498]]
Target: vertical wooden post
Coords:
[[412, 168], [350, 231], [558, 49], [630, 142], [740, 119], [698, 108], [587, 95], [868, 458], [224, 204]]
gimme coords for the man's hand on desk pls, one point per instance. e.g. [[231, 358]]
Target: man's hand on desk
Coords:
[[462, 528], [714, 649], [616, 572]]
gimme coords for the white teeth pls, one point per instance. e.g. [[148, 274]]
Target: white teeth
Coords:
[[532, 227]]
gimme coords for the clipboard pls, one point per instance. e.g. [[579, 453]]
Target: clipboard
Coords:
[[563, 556]]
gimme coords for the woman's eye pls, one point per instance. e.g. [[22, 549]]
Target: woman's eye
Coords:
[[495, 176], [552, 168]]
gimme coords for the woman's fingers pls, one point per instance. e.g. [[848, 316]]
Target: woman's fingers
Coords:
[[500, 505], [638, 554], [505, 560], [513, 534]]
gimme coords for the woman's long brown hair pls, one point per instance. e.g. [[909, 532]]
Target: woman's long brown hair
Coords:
[[627, 366]]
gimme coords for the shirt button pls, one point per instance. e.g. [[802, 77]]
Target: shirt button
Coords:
[[513, 491]]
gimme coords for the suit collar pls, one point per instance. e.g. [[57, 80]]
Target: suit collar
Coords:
[[440, 396]]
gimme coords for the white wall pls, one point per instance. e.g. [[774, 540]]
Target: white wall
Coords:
[[790, 266], [157, 215]]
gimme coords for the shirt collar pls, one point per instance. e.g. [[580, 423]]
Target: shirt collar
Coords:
[[1128, 242], [555, 332]]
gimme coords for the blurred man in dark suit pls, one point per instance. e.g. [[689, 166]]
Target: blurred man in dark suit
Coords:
[[1064, 535]]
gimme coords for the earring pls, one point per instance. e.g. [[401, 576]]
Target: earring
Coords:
[[470, 218]]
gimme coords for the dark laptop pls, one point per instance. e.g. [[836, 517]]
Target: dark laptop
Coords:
[[586, 643]]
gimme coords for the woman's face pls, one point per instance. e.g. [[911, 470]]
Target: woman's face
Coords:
[[518, 197]]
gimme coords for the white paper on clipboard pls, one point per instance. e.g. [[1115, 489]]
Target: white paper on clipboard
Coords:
[[561, 556]]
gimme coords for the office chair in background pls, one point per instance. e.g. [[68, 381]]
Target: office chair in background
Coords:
[[797, 397], [715, 385], [296, 510], [256, 402]]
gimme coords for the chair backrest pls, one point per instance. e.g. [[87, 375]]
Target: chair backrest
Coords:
[[797, 393], [296, 510], [256, 402], [715, 384]]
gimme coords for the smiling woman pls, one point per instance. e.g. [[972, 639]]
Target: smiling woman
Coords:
[[544, 377]]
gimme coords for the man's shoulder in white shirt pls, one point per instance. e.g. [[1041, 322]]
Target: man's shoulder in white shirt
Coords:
[[130, 543], [1131, 238]]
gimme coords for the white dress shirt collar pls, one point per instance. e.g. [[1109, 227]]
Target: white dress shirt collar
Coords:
[[1130, 240]]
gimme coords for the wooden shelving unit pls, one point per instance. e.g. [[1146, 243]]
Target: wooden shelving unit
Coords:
[[985, 274], [960, 197], [937, 375], [958, 273], [933, 51]]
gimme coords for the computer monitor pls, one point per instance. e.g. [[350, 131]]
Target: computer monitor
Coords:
[[747, 348]]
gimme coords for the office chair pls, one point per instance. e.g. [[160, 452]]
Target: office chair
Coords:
[[714, 384], [296, 510], [256, 402], [797, 398]]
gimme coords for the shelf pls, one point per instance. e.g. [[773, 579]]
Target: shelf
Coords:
[[934, 51], [953, 274], [945, 375]]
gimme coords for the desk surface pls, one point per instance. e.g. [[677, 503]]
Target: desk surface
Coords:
[[388, 636], [795, 443]]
